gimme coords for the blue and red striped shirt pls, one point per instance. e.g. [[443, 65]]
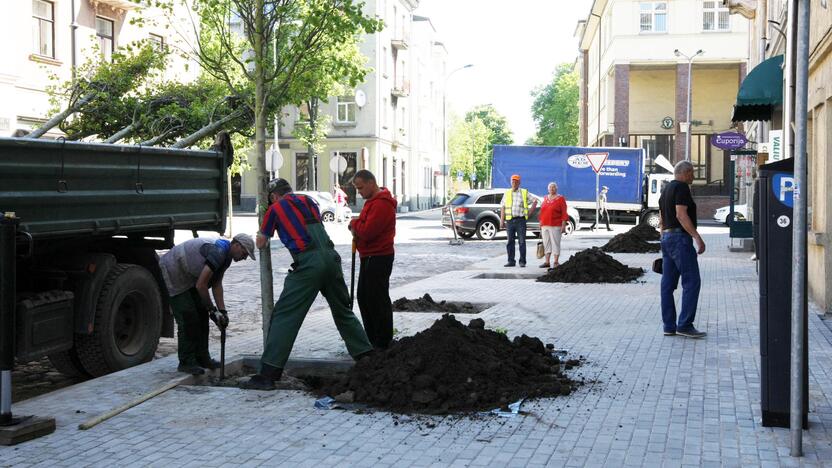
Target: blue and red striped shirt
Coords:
[[288, 216]]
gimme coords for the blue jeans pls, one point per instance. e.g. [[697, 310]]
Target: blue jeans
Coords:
[[516, 229], [679, 259]]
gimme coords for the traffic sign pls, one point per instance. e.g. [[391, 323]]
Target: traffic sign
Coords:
[[597, 160], [338, 164]]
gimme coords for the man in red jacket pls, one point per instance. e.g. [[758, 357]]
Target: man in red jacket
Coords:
[[373, 232]]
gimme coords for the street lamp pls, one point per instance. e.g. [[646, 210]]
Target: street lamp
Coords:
[[445, 130], [690, 79]]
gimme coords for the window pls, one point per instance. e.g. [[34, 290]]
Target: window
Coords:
[[302, 171], [345, 179], [43, 28], [104, 30], [346, 109], [714, 16], [384, 107], [158, 42], [487, 200], [384, 172], [653, 17], [384, 61]]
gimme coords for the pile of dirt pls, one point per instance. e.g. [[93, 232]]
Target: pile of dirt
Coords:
[[628, 243], [591, 266], [427, 304], [645, 232], [451, 368]]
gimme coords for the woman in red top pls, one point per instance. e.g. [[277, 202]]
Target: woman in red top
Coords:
[[553, 219]]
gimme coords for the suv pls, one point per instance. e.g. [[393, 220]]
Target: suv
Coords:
[[478, 212], [326, 205]]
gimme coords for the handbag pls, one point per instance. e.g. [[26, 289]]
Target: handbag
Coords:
[[657, 265], [540, 251]]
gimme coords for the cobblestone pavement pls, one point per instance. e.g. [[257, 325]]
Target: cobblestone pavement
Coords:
[[649, 400]]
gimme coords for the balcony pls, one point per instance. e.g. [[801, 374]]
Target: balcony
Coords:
[[117, 4], [401, 89], [400, 41]]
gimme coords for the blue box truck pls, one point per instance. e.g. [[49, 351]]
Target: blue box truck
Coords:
[[632, 191]]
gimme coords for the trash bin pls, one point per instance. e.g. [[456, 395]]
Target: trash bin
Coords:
[[775, 214]]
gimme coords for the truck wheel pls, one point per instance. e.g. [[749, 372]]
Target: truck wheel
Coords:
[[570, 227], [128, 320], [327, 216], [68, 363], [486, 229], [652, 219]]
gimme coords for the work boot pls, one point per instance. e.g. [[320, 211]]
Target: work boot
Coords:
[[366, 354], [208, 363], [192, 369], [264, 380]]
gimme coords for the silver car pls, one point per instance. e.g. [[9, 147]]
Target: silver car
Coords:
[[327, 206], [478, 212]]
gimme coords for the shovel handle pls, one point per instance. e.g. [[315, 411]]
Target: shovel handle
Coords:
[[222, 354]]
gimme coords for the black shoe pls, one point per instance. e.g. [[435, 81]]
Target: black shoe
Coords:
[[258, 382], [670, 333], [522, 264], [608, 229], [691, 332], [366, 354], [192, 369], [509, 264], [209, 363]]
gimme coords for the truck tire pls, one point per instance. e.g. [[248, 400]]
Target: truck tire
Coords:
[[487, 229], [128, 321], [652, 219], [68, 363], [570, 227]]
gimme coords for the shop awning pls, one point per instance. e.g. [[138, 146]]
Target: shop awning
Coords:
[[760, 92]]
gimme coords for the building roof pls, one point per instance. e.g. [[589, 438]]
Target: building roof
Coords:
[[591, 23]]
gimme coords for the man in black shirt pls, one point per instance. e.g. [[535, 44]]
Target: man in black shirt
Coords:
[[677, 212]]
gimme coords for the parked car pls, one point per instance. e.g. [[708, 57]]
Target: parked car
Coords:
[[740, 213], [327, 206], [477, 212]]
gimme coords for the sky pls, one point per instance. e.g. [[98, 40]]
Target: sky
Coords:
[[514, 46]]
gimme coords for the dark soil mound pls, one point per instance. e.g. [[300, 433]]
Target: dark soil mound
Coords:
[[630, 243], [591, 266], [427, 304], [645, 232], [451, 367]]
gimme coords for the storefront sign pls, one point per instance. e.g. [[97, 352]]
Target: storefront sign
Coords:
[[729, 140], [775, 145]]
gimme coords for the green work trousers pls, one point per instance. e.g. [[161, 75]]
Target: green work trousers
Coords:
[[315, 270], [191, 327]]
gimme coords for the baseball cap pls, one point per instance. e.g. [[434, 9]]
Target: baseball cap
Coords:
[[515, 177], [279, 185], [247, 242]]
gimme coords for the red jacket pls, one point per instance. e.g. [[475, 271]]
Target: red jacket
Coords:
[[553, 212], [375, 227]]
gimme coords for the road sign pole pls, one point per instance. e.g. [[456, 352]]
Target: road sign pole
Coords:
[[597, 198]]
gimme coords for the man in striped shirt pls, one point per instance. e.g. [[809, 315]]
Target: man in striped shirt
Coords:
[[316, 268]]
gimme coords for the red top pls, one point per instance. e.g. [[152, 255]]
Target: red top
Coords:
[[553, 212], [375, 227]]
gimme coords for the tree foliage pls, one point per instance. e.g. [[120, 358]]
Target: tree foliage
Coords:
[[496, 122], [555, 109], [469, 145]]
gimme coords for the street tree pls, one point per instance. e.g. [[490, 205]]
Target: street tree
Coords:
[[281, 48], [496, 122], [469, 145], [555, 109]]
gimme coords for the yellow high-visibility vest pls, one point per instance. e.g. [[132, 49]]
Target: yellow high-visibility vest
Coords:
[[508, 203]]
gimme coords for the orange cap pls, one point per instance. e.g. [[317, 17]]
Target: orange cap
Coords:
[[515, 177]]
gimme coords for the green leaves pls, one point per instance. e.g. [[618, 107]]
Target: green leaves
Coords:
[[469, 146], [555, 109]]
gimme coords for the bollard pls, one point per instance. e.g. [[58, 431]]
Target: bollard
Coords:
[[8, 231]]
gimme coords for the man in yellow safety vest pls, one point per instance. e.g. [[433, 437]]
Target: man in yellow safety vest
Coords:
[[514, 213]]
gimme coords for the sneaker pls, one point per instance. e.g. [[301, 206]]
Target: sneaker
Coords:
[[192, 369], [509, 264], [670, 333], [691, 332]]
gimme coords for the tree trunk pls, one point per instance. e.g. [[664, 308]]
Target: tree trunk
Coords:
[[121, 134], [208, 130], [56, 120], [266, 287], [310, 151]]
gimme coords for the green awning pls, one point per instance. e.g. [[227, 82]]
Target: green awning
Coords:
[[760, 92]]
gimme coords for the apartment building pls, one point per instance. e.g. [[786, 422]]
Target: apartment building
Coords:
[[634, 87], [390, 124], [50, 37]]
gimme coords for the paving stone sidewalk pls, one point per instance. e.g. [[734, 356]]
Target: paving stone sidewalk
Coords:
[[649, 400]]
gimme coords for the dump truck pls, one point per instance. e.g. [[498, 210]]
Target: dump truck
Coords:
[[81, 226], [633, 190]]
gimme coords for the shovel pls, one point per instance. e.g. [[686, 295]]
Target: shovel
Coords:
[[222, 353], [352, 277]]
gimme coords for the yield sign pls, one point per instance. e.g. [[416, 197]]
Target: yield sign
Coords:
[[597, 160]]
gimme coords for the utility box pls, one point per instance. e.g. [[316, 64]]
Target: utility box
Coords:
[[775, 212]]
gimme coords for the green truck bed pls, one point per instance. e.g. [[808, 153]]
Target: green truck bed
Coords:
[[65, 189]]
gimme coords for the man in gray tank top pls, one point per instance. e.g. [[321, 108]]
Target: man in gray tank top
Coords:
[[189, 270]]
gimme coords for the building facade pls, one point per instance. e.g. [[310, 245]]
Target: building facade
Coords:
[[51, 37], [391, 124], [634, 87]]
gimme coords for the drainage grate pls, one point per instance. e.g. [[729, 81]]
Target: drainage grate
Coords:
[[519, 276]]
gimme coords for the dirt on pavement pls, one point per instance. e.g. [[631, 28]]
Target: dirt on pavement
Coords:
[[591, 266], [427, 304], [454, 368]]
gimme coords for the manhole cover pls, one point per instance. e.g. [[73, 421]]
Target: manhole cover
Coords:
[[519, 276]]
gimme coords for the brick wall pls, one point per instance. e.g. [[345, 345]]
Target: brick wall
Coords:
[[622, 102], [705, 206]]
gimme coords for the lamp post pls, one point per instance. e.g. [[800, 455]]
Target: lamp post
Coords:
[[689, 58], [445, 131]]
